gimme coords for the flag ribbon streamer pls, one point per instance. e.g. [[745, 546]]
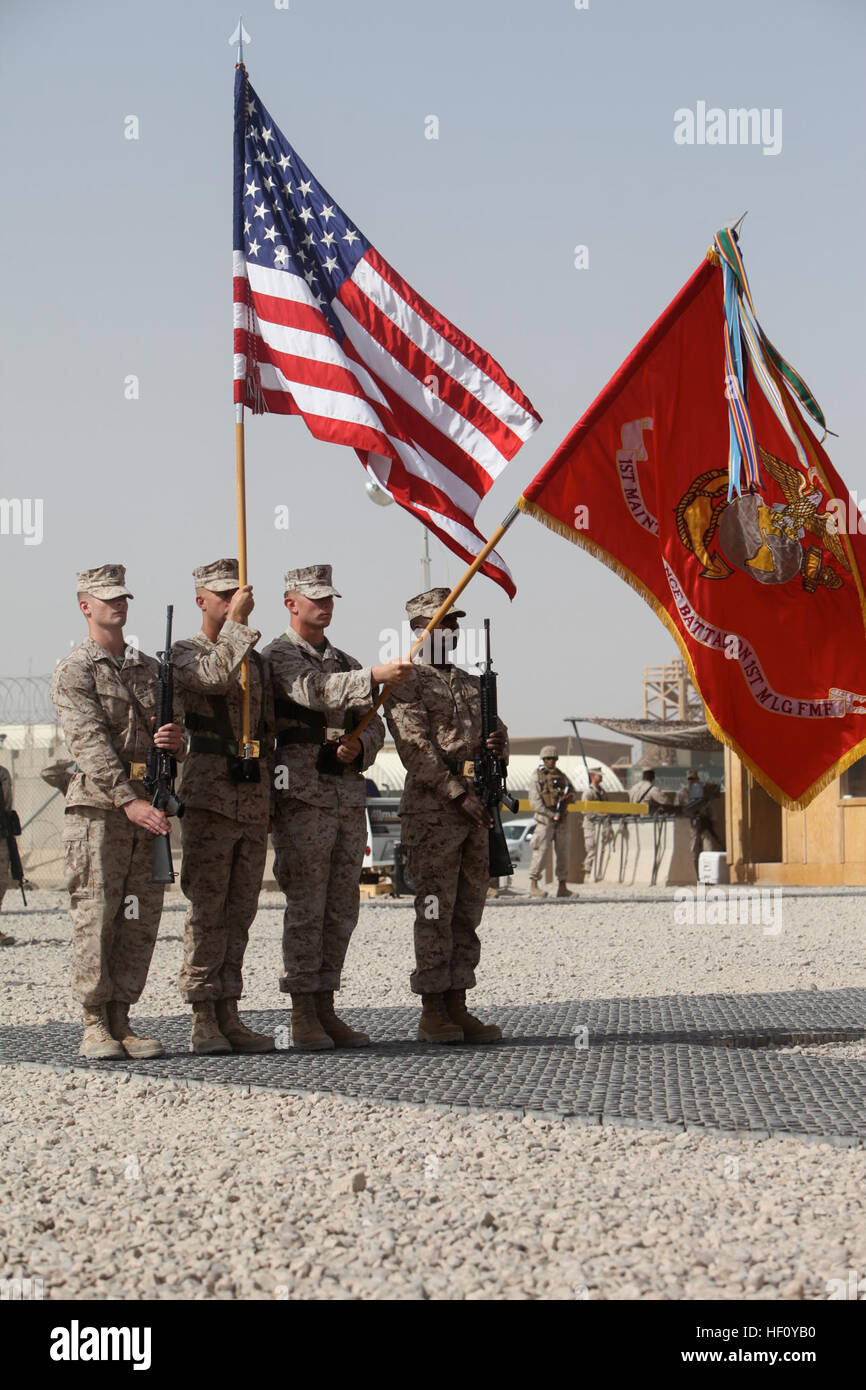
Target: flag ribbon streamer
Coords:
[[742, 330]]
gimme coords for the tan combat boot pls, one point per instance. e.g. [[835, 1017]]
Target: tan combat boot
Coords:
[[98, 1043], [434, 1025], [206, 1038], [308, 1035], [563, 891], [534, 890], [474, 1031], [121, 1028], [232, 1027], [340, 1033]]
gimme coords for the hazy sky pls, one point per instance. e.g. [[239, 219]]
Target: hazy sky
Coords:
[[556, 128]]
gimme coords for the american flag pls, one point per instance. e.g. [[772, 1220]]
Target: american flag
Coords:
[[326, 329]]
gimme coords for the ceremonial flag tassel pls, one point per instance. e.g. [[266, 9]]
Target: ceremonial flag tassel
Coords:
[[762, 590], [325, 328]]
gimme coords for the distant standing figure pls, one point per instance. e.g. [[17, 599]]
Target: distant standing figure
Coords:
[[550, 791], [5, 877], [592, 824]]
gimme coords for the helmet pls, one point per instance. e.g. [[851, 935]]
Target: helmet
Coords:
[[548, 751]]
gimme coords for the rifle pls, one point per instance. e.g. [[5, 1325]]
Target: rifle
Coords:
[[10, 826], [490, 769], [161, 768], [562, 801]]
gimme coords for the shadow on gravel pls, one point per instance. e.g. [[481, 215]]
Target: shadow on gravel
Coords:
[[711, 1062]]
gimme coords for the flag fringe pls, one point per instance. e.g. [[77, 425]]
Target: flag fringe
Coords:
[[790, 803]]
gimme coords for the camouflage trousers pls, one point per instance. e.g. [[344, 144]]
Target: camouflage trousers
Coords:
[[318, 858], [6, 881], [591, 830], [544, 832], [449, 860], [114, 906], [221, 875]]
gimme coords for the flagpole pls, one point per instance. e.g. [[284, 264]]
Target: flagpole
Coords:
[[247, 749], [443, 609]]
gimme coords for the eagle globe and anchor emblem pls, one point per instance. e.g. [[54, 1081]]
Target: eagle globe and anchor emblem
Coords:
[[772, 543]]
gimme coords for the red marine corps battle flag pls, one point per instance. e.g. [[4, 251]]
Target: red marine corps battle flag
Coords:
[[694, 476]]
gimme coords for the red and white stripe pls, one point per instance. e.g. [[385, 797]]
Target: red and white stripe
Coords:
[[433, 418]]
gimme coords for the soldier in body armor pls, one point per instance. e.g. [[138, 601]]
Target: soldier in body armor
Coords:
[[550, 791], [320, 828], [225, 821]]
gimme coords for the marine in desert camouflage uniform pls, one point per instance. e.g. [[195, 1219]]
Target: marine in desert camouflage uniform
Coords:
[[437, 729], [592, 824], [547, 787], [320, 829], [105, 696], [5, 875], [225, 822]]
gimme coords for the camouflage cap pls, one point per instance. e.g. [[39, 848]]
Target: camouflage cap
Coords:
[[313, 581], [427, 605], [219, 576], [548, 751], [106, 581]]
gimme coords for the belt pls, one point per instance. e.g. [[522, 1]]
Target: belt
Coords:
[[135, 771], [300, 736]]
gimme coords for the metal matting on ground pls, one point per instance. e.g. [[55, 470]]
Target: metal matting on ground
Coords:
[[705, 1062]]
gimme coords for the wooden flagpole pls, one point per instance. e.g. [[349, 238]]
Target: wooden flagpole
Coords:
[[440, 612], [246, 748]]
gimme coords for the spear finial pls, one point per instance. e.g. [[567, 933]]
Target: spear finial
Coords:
[[240, 37], [738, 224]]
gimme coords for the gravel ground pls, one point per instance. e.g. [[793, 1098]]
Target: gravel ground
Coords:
[[134, 1188]]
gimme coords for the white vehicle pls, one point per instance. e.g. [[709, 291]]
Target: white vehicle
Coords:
[[518, 836]]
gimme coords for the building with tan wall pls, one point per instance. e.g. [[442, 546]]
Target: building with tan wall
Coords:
[[823, 845]]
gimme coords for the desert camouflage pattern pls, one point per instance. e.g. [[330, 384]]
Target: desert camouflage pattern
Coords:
[[314, 581], [221, 875], [105, 708], [105, 582], [645, 790], [319, 852], [436, 724], [204, 669], [591, 828], [115, 907], [105, 705], [337, 686], [6, 881], [543, 795], [449, 860], [224, 826], [543, 792], [5, 875], [320, 829], [547, 833], [220, 576]]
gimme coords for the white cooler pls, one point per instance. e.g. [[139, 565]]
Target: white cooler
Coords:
[[712, 867]]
